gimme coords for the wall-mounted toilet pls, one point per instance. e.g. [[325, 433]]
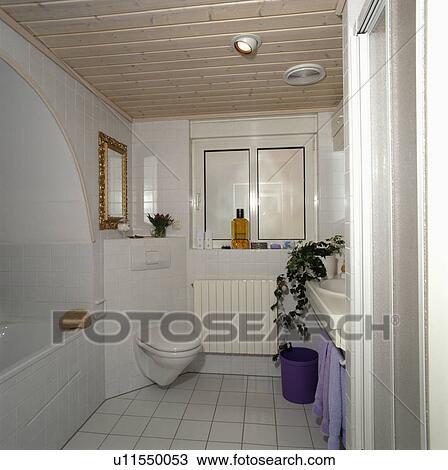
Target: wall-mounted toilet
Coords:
[[162, 361]]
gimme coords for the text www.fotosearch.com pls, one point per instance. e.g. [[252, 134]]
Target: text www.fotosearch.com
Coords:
[[251, 460]]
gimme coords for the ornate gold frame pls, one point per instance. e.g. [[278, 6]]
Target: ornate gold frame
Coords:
[[104, 143]]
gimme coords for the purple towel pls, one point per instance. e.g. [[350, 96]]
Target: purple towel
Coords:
[[336, 407], [320, 407]]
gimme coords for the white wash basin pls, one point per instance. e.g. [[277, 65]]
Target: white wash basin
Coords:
[[335, 286], [330, 305]]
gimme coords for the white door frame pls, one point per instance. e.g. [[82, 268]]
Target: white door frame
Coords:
[[361, 218]]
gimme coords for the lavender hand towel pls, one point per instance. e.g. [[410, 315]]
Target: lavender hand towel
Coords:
[[318, 407], [335, 406], [344, 405]]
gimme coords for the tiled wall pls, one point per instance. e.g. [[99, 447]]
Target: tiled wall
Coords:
[[69, 280], [81, 114], [43, 404], [157, 290], [36, 279], [161, 165], [331, 187]]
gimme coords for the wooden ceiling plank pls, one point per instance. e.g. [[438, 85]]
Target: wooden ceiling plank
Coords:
[[311, 56], [331, 65], [189, 43], [202, 53], [236, 90], [180, 16], [234, 106], [244, 114], [239, 94], [227, 99], [48, 10], [193, 30], [192, 84]]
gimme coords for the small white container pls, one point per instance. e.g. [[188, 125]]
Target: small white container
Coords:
[[208, 240], [331, 265], [200, 240]]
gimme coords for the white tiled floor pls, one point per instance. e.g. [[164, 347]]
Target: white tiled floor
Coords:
[[202, 411]]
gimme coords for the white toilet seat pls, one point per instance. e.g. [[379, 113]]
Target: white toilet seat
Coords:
[[174, 353], [158, 344], [162, 361]]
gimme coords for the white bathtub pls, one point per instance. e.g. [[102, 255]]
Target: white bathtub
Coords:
[[21, 342], [46, 391]]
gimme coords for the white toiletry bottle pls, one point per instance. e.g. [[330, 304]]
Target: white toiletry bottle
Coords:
[[208, 242], [200, 240]]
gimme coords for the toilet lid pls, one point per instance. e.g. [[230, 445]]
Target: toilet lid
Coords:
[[176, 341]]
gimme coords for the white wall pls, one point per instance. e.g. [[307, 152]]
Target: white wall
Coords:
[[331, 181], [437, 257], [158, 290], [41, 195]]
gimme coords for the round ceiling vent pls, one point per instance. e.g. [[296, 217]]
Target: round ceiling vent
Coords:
[[304, 74]]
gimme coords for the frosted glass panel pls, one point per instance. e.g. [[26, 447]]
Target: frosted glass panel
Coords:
[[281, 194], [226, 189]]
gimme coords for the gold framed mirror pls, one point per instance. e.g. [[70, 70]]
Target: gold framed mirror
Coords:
[[113, 181]]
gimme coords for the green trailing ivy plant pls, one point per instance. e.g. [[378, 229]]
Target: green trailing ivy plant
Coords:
[[304, 264]]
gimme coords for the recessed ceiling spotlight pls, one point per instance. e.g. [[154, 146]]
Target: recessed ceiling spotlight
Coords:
[[304, 74], [246, 44]]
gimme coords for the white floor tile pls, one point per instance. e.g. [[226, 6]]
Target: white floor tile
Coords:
[[260, 400], [226, 432], [161, 427], [193, 430], [187, 445], [177, 395], [234, 384], [153, 443], [170, 410], [119, 443], [293, 448], [232, 398], [185, 381], [208, 383], [129, 395], [116, 406], [313, 421], [259, 385], [285, 417], [101, 423], [141, 408], [223, 445], [85, 441], [259, 434], [277, 385], [319, 441], [294, 436], [281, 402], [199, 412], [229, 414], [151, 393], [130, 426], [258, 447], [204, 397], [259, 415]]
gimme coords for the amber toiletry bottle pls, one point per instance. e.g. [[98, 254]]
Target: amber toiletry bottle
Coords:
[[240, 231]]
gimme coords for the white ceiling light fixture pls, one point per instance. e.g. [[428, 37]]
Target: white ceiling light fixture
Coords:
[[304, 74], [246, 44]]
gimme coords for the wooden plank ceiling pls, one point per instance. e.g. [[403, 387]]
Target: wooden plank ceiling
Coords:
[[172, 58]]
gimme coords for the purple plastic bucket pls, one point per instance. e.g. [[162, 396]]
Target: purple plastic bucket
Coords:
[[299, 374]]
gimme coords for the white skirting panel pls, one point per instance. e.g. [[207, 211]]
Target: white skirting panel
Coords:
[[245, 300]]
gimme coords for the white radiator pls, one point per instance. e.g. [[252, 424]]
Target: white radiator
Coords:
[[215, 299]]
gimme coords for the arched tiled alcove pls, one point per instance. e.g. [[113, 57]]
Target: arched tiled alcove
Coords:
[[42, 195]]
